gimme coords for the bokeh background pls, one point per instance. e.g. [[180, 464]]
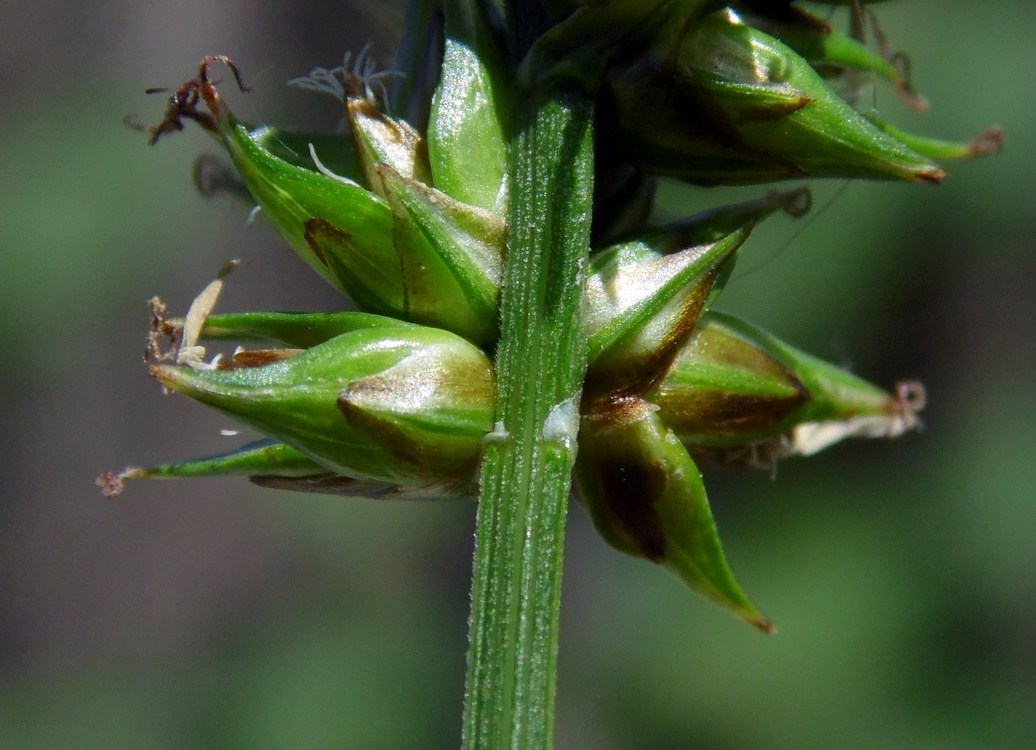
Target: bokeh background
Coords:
[[213, 614]]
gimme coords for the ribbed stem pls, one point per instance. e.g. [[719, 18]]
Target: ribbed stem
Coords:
[[526, 474]]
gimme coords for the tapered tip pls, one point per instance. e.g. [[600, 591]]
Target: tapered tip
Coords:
[[113, 484], [164, 374], [931, 176], [988, 142], [763, 623]]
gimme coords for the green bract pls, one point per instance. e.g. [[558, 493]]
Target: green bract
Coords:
[[467, 138], [260, 458]]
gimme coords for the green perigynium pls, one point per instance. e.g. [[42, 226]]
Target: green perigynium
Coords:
[[405, 405], [422, 229], [647, 498], [765, 114], [735, 387]]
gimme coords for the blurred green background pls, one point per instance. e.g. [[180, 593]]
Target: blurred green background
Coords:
[[212, 614]]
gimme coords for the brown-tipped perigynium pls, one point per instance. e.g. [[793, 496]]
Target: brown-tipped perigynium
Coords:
[[760, 113], [406, 406], [736, 394], [647, 499]]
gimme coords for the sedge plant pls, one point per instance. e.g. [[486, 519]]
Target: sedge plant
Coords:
[[524, 331]]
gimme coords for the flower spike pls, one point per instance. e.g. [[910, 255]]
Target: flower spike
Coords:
[[512, 218]]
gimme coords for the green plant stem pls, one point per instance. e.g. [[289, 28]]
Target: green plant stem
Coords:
[[526, 472]]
